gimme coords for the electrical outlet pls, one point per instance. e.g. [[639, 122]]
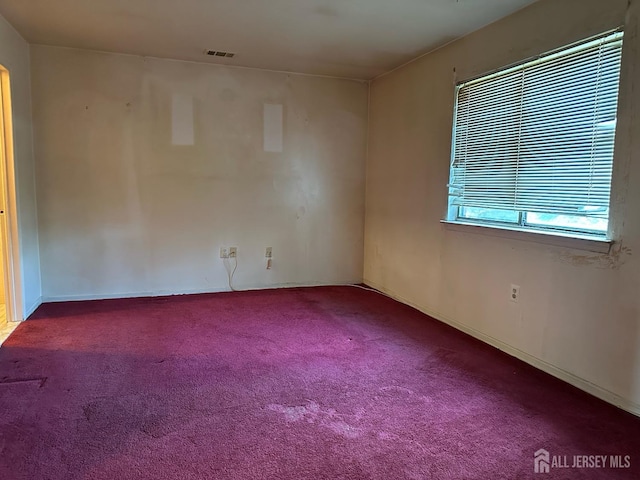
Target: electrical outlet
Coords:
[[514, 294], [224, 253], [268, 253], [233, 252]]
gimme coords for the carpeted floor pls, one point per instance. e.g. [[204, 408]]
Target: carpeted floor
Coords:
[[314, 383]]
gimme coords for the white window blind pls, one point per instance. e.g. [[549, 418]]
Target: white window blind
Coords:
[[539, 137]]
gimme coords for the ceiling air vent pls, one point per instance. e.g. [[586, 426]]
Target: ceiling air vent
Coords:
[[216, 53]]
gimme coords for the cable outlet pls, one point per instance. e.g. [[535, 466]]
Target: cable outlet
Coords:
[[515, 293], [268, 253], [233, 252], [224, 252]]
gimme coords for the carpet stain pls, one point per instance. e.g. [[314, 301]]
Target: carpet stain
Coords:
[[87, 411], [343, 428], [297, 413], [397, 388], [155, 426], [144, 414], [314, 414], [37, 381], [392, 395], [398, 439]]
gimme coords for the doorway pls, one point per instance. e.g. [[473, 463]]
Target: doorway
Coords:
[[8, 212]]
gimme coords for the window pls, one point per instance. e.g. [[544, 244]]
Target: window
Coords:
[[533, 144]]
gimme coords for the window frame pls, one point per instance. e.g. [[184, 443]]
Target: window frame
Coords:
[[454, 215], [524, 224]]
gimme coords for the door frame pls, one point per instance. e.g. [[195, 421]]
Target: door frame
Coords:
[[8, 204]]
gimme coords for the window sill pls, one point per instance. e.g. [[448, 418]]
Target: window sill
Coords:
[[559, 239]]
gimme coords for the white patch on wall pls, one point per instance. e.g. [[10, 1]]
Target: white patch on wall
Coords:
[[272, 128], [182, 120]]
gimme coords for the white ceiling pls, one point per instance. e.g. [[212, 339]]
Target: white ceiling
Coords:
[[345, 38]]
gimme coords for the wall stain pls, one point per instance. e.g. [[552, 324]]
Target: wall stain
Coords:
[[617, 257], [326, 11], [228, 95]]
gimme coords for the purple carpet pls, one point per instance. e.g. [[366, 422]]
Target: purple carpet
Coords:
[[314, 383]]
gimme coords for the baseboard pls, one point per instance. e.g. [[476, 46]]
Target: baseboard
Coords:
[[578, 382], [166, 293], [28, 311]]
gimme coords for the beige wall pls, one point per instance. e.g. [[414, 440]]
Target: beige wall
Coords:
[[14, 56], [123, 211], [578, 316]]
